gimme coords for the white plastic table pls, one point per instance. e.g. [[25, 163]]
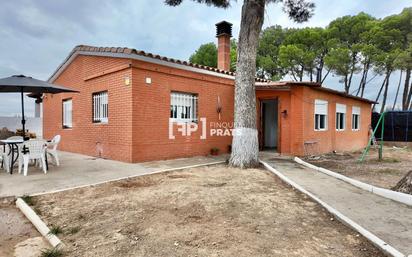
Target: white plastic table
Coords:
[[13, 148]]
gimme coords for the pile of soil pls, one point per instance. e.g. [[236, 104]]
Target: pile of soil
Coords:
[[207, 211]]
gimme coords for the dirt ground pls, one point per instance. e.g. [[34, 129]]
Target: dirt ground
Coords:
[[386, 173], [207, 211], [18, 237]]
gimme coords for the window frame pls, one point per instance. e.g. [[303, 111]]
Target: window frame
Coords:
[[193, 100], [320, 113], [64, 126], [357, 128], [356, 111], [339, 108], [101, 119]]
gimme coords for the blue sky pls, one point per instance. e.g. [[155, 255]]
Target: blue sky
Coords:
[[37, 35]]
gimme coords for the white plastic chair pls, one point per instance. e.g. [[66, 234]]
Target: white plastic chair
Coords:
[[36, 150], [4, 157], [52, 149]]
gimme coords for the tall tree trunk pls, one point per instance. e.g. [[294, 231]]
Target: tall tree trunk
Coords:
[[364, 78], [327, 73], [346, 84], [245, 144], [405, 102], [349, 81], [409, 98], [410, 102], [301, 74], [318, 76], [379, 93], [364, 82], [385, 93], [319, 71], [367, 82], [397, 91], [294, 76]]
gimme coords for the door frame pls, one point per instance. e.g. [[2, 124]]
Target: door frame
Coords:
[[261, 123]]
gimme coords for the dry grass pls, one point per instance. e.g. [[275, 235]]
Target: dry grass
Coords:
[[383, 173], [209, 211]]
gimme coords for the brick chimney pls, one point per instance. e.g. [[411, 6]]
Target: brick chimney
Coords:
[[223, 34]]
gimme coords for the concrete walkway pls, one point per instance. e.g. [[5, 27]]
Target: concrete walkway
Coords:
[[389, 220], [79, 170]]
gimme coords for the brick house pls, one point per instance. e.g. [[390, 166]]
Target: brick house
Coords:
[[135, 106]]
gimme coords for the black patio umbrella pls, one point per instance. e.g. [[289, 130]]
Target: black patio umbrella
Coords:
[[22, 84]]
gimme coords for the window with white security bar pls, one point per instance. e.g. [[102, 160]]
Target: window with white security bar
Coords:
[[355, 118], [340, 117], [67, 113], [321, 114], [183, 107], [100, 107]]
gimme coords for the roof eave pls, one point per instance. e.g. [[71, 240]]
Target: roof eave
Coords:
[[134, 56]]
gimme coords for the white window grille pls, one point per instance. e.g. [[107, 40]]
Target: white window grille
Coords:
[[321, 114], [100, 107], [355, 117], [183, 107], [67, 113], [340, 117]]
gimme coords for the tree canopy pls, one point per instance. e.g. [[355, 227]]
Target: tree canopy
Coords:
[[357, 45], [206, 55]]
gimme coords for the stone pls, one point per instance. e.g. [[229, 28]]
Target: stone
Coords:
[[31, 247]]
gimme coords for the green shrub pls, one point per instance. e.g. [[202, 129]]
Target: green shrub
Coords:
[[55, 230], [52, 252], [28, 199]]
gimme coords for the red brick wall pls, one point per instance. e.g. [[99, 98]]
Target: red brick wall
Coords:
[[114, 139], [331, 139], [138, 127], [151, 111], [298, 126]]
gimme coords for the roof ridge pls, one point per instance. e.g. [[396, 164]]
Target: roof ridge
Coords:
[[131, 51]]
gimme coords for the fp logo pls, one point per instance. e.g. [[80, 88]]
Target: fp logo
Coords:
[[187, 128]]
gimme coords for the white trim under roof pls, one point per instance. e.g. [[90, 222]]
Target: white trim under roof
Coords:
[[63, 66]]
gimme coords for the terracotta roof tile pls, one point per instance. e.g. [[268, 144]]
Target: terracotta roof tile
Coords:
[[132, 51], [262, 83], [314, 85]]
